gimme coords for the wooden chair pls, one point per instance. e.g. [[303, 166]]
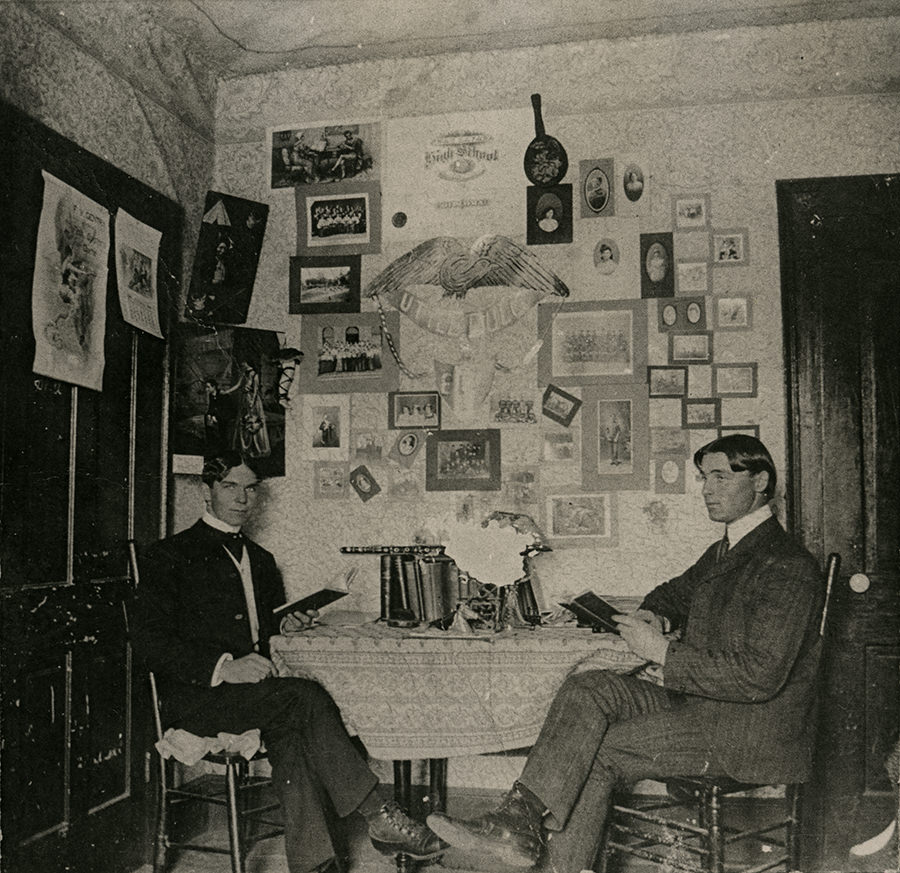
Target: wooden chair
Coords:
[[236, 790], [685, 831]]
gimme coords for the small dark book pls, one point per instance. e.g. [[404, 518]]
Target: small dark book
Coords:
[[316, 600], [593, 610]]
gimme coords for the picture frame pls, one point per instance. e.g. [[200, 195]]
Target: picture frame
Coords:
[[667, 440], [333, 153], [615, 439], [690, 212], [348, 352], [324, 284], [729, 247], [559, 405], [325, 428], [669, 475], [548, 215], [690, 347], [364, 483], [734, 380], [597, 188], [331, 480], [633, 183], [681, 313], [600, 342], [579, 520], [462, 460], [701, 413], [419, 410], [657, 265], [733, 313], [749, 429], [561, 447], [691, 277], [406, 447], [665, 381], [339, 221]]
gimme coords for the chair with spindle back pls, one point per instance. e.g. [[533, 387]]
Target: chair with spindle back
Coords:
[[686, 832]]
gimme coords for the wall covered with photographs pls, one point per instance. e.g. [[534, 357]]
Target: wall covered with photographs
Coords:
[[476, 338]]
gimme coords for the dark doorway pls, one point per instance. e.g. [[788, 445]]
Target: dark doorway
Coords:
[[840, 265]]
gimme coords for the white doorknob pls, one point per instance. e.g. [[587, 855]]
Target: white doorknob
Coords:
[[859, 582]]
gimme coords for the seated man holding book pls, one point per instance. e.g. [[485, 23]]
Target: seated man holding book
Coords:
[[737, 695], [204, 611]]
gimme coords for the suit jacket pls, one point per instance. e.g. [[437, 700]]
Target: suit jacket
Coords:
[[190, 609], [749, 651]]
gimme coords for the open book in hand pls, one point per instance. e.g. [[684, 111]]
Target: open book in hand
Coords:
[[593, 610], [318, 599]]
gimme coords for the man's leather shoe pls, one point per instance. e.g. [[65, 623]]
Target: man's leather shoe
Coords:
[[511, 833], [393, 832]]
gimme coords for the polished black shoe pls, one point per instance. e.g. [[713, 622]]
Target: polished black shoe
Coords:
[[393, 832], [511, 833]]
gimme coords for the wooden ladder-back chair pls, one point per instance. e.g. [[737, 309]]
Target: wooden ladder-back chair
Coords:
[[235, 789], [685, 831]]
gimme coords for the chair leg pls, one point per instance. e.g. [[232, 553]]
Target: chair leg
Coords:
[[715, 843], [160, 842], [792, 836], [234, 822]]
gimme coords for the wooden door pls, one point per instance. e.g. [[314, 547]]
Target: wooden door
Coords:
[[81, 473], [840, 254]]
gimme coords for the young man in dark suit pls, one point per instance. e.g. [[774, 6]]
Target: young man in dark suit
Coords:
[[738, 691], [202, 622]]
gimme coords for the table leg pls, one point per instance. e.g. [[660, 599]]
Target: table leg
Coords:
[[403, 796], [437, 784]]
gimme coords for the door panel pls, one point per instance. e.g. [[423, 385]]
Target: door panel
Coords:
[[840, 255]]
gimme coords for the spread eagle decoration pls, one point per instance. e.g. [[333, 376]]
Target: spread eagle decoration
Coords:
[[451, 266]]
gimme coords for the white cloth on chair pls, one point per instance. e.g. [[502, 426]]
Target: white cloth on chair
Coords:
[[188, 748]]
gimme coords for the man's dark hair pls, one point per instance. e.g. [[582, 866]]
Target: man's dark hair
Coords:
[[217, 467], [744, 452]]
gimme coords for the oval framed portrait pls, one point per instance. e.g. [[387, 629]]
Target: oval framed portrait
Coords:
[[657, 262], [694, 313], [669, 315], [633, 182], [606, 255], [596, 189], [669, 472], [408, 444]]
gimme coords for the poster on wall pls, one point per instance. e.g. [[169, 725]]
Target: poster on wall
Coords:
[[68, 292], [137, 255], [228, 247], [458, 174], [226, 396], [335, 152]]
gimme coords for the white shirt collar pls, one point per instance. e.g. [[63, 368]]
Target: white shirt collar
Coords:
[[218, 524], [739, 528]]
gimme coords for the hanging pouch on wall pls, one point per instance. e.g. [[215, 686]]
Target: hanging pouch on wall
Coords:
[[546, 161]]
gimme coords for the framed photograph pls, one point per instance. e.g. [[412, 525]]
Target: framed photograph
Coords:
[[367, 446], [657, 265], [633, 180], [414, 409], [667, 381], [593, 343], [734, 380], [690, 347], [749, 429], [581, 520], [330, 480], [549, 215], [406, 447], [326, 428], [335, 153], [348, 352], [521, 486], [324, 284], [559, 405], [730, 248], [682, 313], [339, 221], [597, 188], [516, 409], [698, 413], [668, 441], [462, 460], [364, 483], [615, 438], [691, 277], [733, 313], [668, 476], [404, 484], [560, 447], [690, 211]]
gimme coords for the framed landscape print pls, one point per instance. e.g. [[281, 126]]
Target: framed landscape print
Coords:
[[667, 381], [579, 520], [690, 347], [615, 438], [701, 413], [462, 460], [593, 343], [734, 380], [324, 284], [733, 313], [691, 277]]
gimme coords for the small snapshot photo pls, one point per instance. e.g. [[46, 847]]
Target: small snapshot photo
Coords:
[[734, 380], [690, 347], [559, 405], [328, 433], [701, 413], [414, 409], [606, 256], [324, 284], [597, 195], [690, 211], [364, 483], [733, 313], [730, 248], [667, 381], [559, 447]]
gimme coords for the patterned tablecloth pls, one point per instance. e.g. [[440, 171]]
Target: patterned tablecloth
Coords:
[[435, 695]]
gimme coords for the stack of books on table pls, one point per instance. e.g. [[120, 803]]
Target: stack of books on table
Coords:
[[418, 589]]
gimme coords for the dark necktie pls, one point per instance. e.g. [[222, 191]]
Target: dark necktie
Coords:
[[234, 542], [723, 547]]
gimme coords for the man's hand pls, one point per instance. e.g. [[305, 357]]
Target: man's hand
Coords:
[[642, 637], [250, 668], [651, 618], [294, 622]]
